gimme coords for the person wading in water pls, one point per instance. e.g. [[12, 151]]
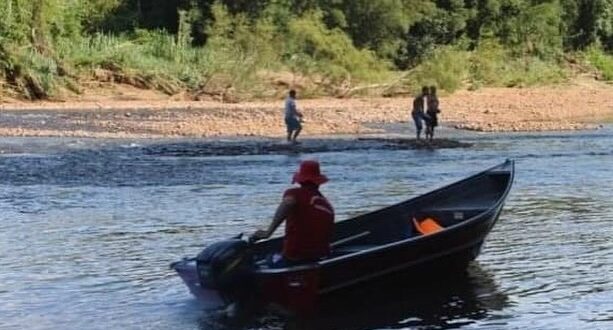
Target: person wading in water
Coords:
[[432, 113], [418, 113], [293, 117], [309, 219]]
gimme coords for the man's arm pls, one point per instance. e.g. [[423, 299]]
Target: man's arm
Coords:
[[283, 211]]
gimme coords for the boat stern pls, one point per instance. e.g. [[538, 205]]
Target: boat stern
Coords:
[[293, 290], [186, 268]]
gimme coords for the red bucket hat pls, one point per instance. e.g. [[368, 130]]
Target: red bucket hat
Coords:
[[309, 172]]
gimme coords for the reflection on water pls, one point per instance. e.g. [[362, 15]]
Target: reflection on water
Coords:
[[88, 228], [444, 302]]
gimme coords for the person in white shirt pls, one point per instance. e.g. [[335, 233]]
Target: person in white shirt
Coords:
[[293, 117]]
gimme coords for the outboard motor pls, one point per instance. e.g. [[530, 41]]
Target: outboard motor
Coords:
[[227, 267]]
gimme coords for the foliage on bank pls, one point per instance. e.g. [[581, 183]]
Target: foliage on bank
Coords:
[[250, 49]]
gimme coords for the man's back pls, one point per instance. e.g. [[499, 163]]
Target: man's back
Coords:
[[418, 104], [290, 107], [310, 225]]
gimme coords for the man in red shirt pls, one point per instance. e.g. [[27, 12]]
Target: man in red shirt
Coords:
[[309, 218]]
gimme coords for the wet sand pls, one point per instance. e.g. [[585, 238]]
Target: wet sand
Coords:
[[580, 105]]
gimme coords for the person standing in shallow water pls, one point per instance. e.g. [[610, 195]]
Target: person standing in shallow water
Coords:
[[418, 112], [432, 113], [293, 117]]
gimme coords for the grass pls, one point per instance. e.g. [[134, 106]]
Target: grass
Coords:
[[453, 68], [601, 61]]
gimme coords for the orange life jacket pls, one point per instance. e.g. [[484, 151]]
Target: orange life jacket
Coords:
[[427, 226]]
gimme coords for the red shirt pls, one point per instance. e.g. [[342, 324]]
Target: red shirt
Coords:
[[309, 226]]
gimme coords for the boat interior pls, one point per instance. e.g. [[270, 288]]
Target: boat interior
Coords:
[[446, 207]]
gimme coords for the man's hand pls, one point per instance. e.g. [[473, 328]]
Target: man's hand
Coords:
[[281, 214], [259, 235]]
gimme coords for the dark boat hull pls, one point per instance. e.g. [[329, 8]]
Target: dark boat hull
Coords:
[[383, 244], [449, 253], [446, 250]]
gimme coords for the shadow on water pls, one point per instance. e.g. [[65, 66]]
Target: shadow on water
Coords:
[[310, 145], [169, 163], [442, 303]]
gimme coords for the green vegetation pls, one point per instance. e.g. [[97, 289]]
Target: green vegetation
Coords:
[[251, 49], [596, 57]]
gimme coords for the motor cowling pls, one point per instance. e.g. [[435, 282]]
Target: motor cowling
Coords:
[[227, 266]]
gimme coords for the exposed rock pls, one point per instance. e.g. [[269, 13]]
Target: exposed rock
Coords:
[[487, 110], [255, 147]]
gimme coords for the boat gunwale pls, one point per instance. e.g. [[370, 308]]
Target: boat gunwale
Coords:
[[503, 196]]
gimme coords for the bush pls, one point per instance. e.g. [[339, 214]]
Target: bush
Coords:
[[315, 50], [448, 68], [487, 64], [530, 71], [601, 61], [492, 65], [46, 45], [239, 49]]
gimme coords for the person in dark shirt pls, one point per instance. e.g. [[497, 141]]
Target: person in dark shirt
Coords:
[[418, 112], [308, 216], [432, 113]]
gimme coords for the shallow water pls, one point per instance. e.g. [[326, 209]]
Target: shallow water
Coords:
[[88, 228]]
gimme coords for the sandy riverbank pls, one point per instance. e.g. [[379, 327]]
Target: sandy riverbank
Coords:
[[132, 113]]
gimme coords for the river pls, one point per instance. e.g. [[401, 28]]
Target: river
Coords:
[[89, 227]]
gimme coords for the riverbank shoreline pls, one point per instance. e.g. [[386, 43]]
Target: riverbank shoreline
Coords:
[[135, 113]]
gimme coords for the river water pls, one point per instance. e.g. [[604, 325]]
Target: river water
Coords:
[[89, 227]]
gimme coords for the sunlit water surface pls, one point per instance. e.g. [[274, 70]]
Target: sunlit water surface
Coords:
[[88, 228]]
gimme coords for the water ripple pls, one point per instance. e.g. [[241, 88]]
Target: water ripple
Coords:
[[88, 230]]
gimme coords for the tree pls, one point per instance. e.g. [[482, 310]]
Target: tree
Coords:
[[533, 29]]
